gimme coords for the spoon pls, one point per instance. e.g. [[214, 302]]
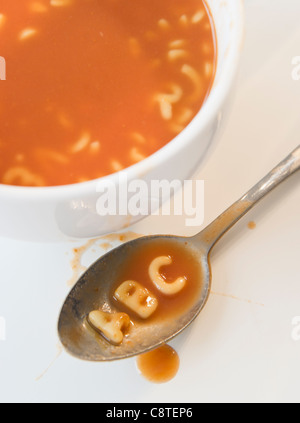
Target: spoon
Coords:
[[92, 291]]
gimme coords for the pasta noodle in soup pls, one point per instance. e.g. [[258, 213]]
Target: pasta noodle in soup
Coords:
[[93, 87]]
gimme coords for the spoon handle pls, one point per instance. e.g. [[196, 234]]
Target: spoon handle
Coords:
[[231, 216]]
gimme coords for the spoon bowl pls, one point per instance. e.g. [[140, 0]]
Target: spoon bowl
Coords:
[[93, 292], [94, 288]]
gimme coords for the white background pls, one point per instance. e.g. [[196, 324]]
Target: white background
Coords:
[[241, 348]]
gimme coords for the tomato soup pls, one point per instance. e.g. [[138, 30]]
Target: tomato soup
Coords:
[[93, 86], [156, 285], [184, 264]]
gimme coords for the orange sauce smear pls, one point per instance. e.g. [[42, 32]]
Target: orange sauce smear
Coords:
[[184, 264], [95, 86]]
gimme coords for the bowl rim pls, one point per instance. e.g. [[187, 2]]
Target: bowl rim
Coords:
[[206, 114]]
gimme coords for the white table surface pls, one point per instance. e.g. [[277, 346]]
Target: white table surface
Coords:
[[241, 348]]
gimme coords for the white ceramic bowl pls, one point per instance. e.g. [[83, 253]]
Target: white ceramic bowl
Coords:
[[58, 213]]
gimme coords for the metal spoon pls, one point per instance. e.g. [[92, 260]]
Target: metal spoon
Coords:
[[93, 289]]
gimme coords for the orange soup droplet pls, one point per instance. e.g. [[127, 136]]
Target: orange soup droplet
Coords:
[[159, 365]]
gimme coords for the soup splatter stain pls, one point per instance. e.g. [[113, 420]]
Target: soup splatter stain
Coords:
[[59, 352], [252, 225], [234, 297], [104, 243]]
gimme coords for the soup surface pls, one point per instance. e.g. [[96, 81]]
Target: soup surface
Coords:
[[184, 264], [95, 86], [155, 286]]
